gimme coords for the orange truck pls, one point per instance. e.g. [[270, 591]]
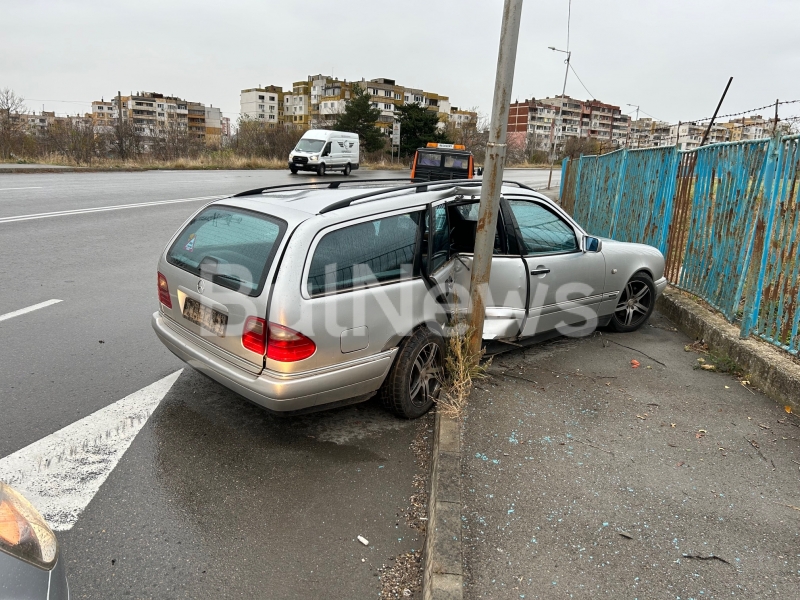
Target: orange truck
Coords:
[[435, 162]]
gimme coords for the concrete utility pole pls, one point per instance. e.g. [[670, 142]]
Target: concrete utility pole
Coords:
[[493, 172], [560, 110]]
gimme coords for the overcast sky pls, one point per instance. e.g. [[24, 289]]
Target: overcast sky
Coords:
[[672, 58]]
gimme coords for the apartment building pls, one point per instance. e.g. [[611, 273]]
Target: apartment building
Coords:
[[332, 101], [38, 123], [560, 118], [213, 127], [688, 136], [754, 127], [263, 104], [319, 99], [150, 113], [648, 133], [297, 105], [462, 118]]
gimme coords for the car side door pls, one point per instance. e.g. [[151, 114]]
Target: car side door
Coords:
[[506, 294], [566, 280]]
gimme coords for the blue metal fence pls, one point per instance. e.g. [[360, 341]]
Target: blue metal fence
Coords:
[[726, 216]]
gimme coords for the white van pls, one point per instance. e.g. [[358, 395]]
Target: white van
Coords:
[[323, 150]]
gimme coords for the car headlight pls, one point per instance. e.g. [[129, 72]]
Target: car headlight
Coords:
[[314, 157], [24, 534]]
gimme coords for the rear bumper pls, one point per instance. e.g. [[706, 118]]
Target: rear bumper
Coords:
[[277, 391]]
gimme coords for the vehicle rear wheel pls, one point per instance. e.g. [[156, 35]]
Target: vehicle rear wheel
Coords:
[[415, 380], [635, 304], [321, 169], [346, 171], [293, 170]]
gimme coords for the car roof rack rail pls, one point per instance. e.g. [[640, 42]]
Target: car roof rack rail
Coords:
[[332, 185], [417, 187]]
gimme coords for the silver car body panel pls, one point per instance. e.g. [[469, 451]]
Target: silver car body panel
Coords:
[[357, 331], [282, 392], [20, 580]]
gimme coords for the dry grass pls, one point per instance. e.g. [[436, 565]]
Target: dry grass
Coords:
[[214, 160], [556, 167], [461, 368]]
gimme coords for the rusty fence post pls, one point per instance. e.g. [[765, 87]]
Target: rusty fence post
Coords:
[[493, 173], [762, 239]]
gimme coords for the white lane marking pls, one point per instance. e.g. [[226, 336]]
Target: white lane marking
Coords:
[[35, 187], [22, 311], [81, 211], [61, 473]]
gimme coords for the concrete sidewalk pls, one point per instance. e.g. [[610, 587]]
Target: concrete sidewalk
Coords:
[[583, 477]]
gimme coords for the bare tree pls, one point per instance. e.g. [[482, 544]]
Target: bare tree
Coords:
[[172, 141], [255, 139], [472, 134], [12, 127], [73, 138]]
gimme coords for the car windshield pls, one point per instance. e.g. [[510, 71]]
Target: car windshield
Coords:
[[309, 145], [229, 246], [456, 161], [429, 159]]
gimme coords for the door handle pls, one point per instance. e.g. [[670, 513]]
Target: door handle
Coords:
[[540, 271]]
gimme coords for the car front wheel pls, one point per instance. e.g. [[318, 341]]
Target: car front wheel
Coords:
[[635, 304], [321, 169], [415, 380]]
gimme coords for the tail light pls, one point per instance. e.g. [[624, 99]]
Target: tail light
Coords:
[[254, 335], [288, 345], [163, 291], [276, 341]]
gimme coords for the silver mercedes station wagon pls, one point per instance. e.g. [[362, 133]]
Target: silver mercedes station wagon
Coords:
[[322, 294]]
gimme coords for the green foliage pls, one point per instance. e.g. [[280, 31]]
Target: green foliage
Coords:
[[418, 126], [359, 117]]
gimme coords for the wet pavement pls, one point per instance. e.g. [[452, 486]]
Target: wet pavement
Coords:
[[218, 499], [586, 478]]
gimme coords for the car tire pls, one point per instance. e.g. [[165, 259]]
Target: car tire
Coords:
[[414, 382], [293, 170], [635, 304], [321, 169], [346, 171]]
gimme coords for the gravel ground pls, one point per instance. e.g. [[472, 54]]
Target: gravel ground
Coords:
[[584, 477], [401, 576]]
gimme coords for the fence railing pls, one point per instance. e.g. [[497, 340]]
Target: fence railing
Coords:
[[725, 216]]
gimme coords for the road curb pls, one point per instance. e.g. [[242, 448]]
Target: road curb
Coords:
[[768, 368], [443, 576]]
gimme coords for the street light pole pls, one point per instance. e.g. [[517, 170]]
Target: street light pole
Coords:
[[628, 137], [493, 173], [560, 110]]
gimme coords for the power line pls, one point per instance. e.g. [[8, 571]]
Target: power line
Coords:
[[579, 79], [569, 18]]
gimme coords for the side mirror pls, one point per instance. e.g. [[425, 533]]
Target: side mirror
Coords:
[[592, 244]]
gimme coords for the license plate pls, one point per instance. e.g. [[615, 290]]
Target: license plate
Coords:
[[205, 316]]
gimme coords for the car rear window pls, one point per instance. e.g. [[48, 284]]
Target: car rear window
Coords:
[[229, 246]]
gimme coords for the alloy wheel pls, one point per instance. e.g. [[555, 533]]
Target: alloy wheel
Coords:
[[425, 380], [634, 304]]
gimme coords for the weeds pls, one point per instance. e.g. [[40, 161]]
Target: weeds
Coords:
[[461, 367]]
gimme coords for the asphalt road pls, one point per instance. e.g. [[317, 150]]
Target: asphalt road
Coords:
[[213, 498]]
